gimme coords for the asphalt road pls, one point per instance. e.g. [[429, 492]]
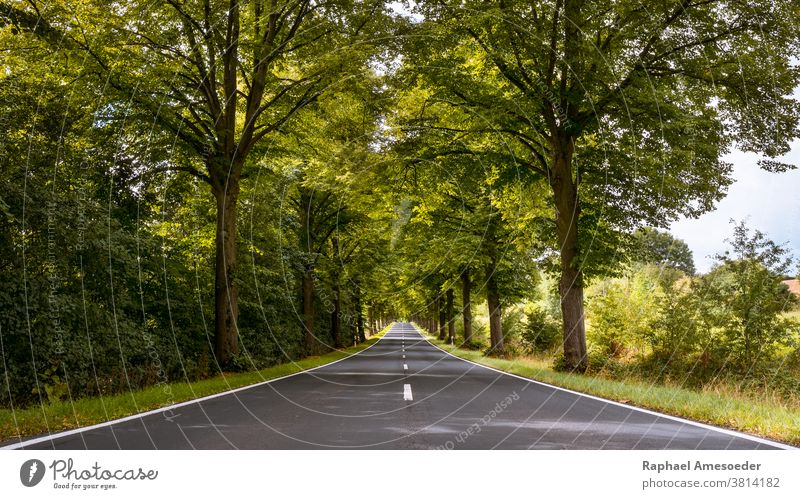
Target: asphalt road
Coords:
[[401, 393]]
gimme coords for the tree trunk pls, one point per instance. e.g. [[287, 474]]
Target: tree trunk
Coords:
[[226, 293], [565, 194], [307, 281], [370, 320], [451, 323], [336, 316], [467, 309], [442, 317], [308, 310], [359, 318], [495, 312]]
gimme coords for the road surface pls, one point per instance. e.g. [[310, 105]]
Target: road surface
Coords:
[[401, 393]]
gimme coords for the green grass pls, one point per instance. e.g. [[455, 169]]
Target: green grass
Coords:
[[722, 406], [64, 415]]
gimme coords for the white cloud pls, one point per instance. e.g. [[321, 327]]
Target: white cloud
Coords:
[[769, 202]]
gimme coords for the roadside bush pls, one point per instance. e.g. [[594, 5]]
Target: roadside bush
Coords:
[[542, 331], [744, 299], [513, 324], [677, 332], [480, 329], [622, 311]]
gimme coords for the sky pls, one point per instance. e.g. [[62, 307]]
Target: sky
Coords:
[[769, 202]]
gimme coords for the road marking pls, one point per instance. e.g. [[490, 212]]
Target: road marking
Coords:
[[404, 356], [631, 407], [407, 392], [405, 367], [67, 433]]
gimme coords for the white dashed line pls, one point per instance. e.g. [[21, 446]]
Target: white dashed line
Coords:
[[407, 392], [405, 367]]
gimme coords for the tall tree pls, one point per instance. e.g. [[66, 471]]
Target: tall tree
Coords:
[[219, 76], [623, 110]]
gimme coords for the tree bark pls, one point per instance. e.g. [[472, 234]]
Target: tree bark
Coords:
[[442, 317], [336, 316], [359, 318], [495, 313], [565, 194], [451, 323], [370, 320], [310, 340], [467, 308], [226, 293]]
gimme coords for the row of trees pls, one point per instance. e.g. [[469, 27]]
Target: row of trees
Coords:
[[291, 169], [606, 116], [187, 188]]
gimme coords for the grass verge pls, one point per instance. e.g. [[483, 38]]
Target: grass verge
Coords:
[[65, 415], [764, 418]]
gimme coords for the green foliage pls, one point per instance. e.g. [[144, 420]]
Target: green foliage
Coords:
[[542, 330], [513, 326], [679, 332], [727, 323], [107, 253], [746, 299], [661, 248], [385, 167], [622, 311]]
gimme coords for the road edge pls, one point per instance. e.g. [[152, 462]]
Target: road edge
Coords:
[[746, 436], [54, 436]]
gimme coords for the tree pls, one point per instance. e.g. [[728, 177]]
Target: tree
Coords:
[[220, 77], [318, 215], [469, 203], [662, 248], [622, 110], [748, 297]]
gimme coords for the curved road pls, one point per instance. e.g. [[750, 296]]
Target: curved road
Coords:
[[401, 393]]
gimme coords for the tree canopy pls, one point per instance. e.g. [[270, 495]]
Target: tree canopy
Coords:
[[234, 184]]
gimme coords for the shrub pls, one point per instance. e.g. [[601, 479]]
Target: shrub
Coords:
[[622, 311], [677, 332], [542, 330], [744, 298]]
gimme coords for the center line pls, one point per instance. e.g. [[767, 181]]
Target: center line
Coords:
[[405, 367], [404, 356], [407, 392]]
